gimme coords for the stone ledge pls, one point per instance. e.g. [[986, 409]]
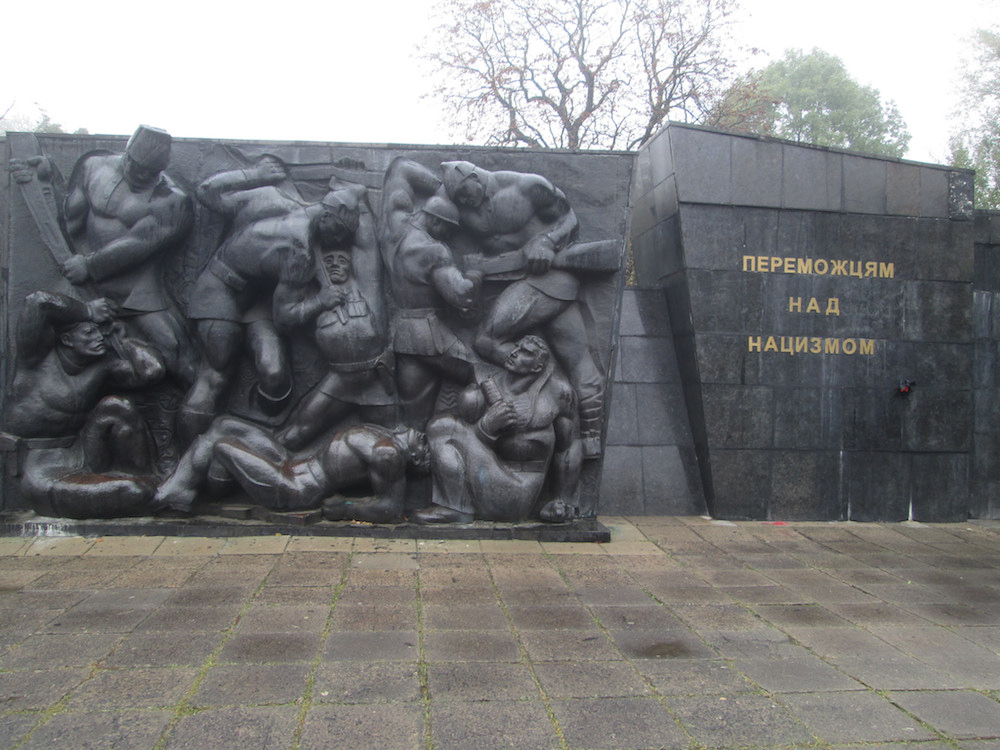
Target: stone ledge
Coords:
[[27, 524]]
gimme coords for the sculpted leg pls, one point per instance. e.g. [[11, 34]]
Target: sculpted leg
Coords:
[[273, 481], [220, 343], [316, 413], [417, 384], [274, 375], [180, 489], [449, 438], [107, 473], [165, 332], [115, 438], [567, 334], [518, 310]]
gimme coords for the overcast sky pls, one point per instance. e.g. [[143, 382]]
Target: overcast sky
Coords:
[[338, 71]]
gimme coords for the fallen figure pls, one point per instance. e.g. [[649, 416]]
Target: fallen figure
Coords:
[[234, 453]]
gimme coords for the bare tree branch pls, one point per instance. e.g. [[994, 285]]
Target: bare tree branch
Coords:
[[579, 73]]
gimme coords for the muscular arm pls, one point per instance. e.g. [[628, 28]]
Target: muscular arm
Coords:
[[295, 305], [551, 207], [458, 290], [169, 220], [138, 365], [76, 207], [404, 182], [223, 192]]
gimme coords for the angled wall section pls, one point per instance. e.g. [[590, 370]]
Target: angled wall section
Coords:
[[804, 285]]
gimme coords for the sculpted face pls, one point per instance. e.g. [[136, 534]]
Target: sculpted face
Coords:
[[137, 176], [438, 228], [419, 452], [338, 266], [85, 340], [527, 357], [470, 192]]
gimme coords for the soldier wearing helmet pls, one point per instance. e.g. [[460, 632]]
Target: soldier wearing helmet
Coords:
[[415, 226]]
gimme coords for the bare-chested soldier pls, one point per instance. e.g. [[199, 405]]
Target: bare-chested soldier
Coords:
[[268, 242], [233, 450], [523, 222], [425, 280], [123, 213], [87, 454]]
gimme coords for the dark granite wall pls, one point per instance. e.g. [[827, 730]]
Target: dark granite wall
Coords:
[[650, 466], [985, 501], [802, 286]]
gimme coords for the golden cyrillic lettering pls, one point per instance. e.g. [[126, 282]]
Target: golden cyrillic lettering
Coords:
[[816, 345], [832, 346], [833, 306], [850, 346], [854, 268], [794, 304], [825, 269], [813, 306], [871, 268], [886, 270], [867, 346], [805, 265], [749, 262], [753, 343], [839, 268], [770, 345]]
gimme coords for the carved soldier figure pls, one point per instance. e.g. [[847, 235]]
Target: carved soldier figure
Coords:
[[525, 227], [87, 455], [425, 281], [123, 214], [233, 450], [491, 460], [350, 329], [268, 242]]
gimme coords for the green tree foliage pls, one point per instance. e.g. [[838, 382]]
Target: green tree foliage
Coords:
[[577, 73], [38, 121], [976, 145], [811, 98]]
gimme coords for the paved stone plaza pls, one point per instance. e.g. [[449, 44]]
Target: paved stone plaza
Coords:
[[680, 633]]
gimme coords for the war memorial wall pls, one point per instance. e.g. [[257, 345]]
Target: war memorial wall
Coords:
[[833, 332], [350, 338]]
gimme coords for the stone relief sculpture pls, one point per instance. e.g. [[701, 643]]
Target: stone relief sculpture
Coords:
[[426, 326], [491, 460], [235, 451], [122, 214], [84, 455], [268, 242], [527, 232], [344, 303], [416, 223]]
